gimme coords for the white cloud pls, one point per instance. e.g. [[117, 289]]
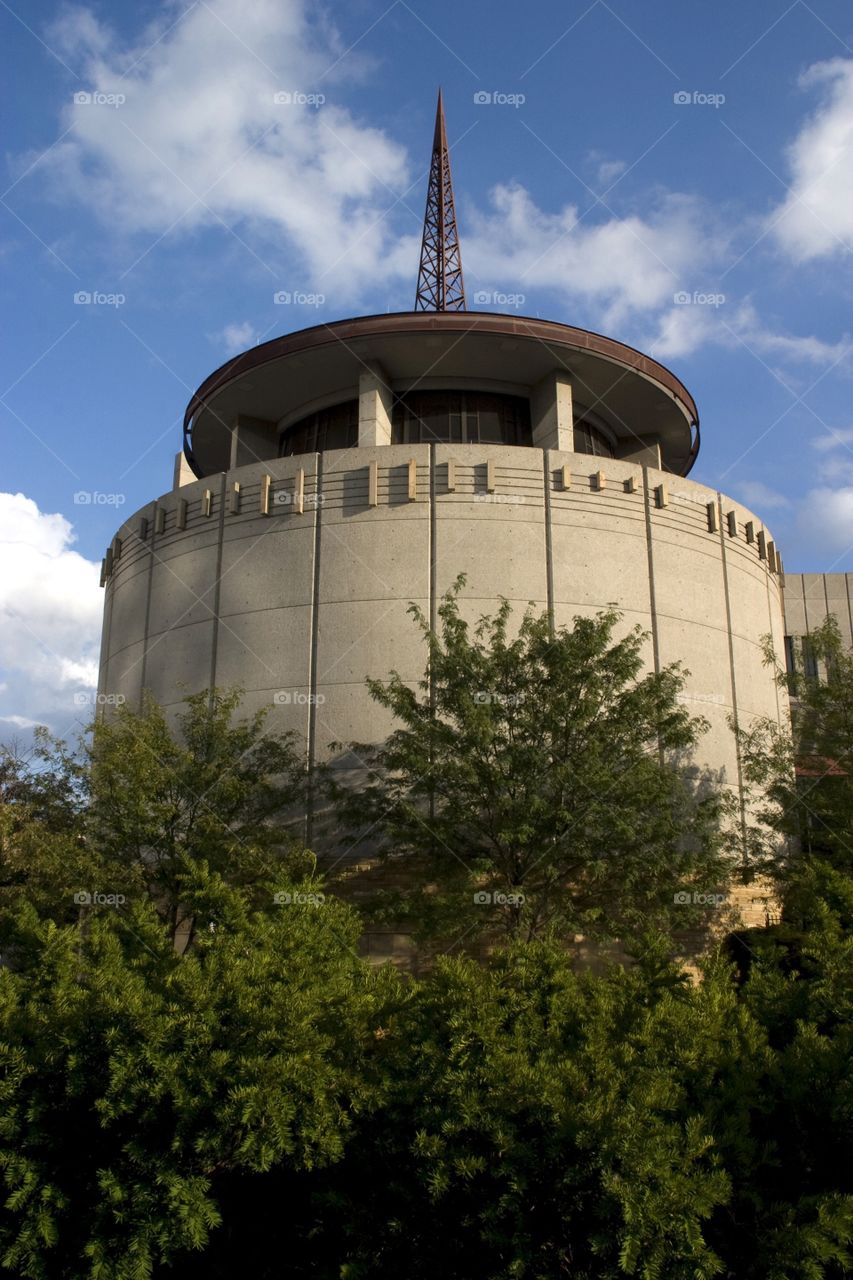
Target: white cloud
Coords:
[[199, 139], [816, 218], [834, 439], [624, 266], [236, 337], [50, 616], [825, 525], [759, 496]]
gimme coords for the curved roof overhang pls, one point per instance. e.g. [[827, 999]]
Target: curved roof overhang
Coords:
[[281, 380]]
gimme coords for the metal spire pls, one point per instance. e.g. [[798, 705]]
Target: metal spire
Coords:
[[440, 283]]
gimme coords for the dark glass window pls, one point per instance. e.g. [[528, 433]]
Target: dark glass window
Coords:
[[790, 661], [591, 439], [809, 659], [460, 417], [334, 428]]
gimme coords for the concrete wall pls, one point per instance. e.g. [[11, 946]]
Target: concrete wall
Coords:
[[809, 598], [301, 604]]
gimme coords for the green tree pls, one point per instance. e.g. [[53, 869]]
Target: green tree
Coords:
[[136, 1082], [217, 791], [538, 781]]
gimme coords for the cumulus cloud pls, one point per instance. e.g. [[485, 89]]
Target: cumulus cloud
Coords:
[[825, 524], [759, 496], [236, 337], [816, 218], [625, 266], [196, 125], [50, 617]]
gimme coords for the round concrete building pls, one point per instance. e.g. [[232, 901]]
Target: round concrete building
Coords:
[[333, 475]]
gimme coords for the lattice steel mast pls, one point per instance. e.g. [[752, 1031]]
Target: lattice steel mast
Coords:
[[440, 283]]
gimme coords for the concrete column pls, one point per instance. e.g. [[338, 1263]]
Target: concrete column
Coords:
[[551, 413], [644, 450], [375, 400], [252, 440], [183, 472]]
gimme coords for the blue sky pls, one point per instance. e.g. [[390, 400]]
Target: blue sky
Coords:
[[628, 156]]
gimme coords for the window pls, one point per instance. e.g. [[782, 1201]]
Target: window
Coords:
[[334, 428], [790, 663], [809, 659], [460, 417], [590, 437]]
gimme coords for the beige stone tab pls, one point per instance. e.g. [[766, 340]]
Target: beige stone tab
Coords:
[[108, 562], [117, 548], [413, 480], [373, 484], [661, 495], [206, 502], [711, 508], [762, 546], [630, 485], [749, 530], [143, 528], [264, 496], [451, 475], [731, 523], [181, 514], [160, 520], [566, 478], [490, 476], [598, 481], [103, 582], [771, 556], [234, 499], [299, 492]]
